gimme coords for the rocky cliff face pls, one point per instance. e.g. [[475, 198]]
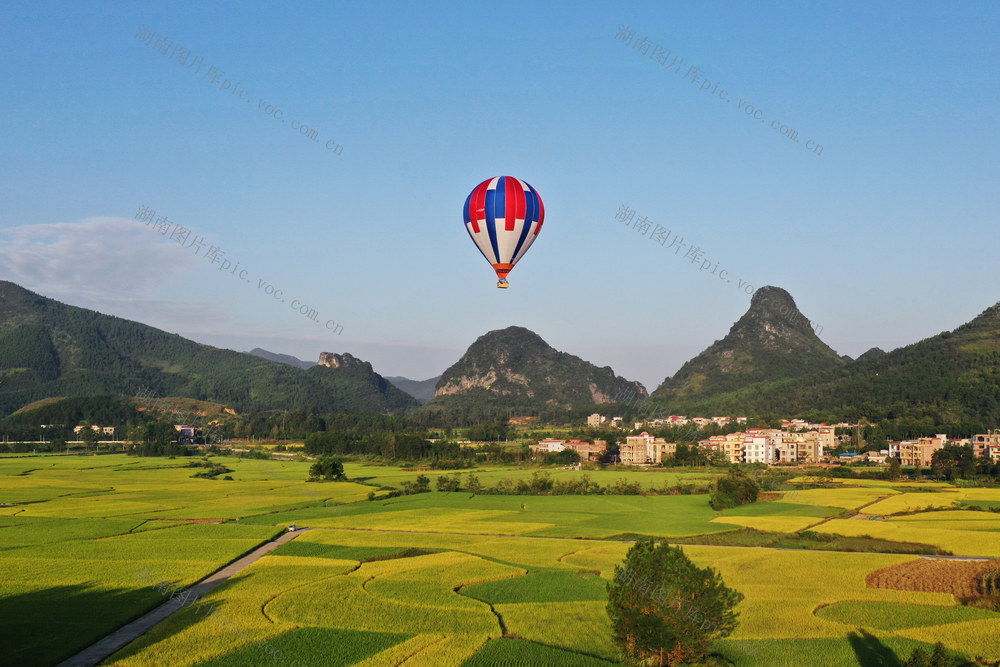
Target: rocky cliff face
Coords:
[[345, 360], [360, 373]]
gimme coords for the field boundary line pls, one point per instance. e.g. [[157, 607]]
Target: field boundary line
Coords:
[[273, 598], [112, 643], [420, 650], [598, 540], [856, 512]]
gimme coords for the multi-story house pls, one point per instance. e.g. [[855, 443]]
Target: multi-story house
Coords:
[[982, 443], [641, 449], [917, 452], [731, 445], [587, 451]]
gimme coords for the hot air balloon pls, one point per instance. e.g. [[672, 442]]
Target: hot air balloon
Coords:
[[503, 215]]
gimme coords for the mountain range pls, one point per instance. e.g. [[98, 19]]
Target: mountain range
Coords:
[[422, 390], [48, 349], [950, 378], [770, 363]]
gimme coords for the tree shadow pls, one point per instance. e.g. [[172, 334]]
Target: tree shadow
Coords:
[[871, 652], [47, 625]]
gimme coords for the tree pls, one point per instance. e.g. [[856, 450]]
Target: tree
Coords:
[[663, 606], [451, 482], [87, 435], [474, 485], [953, 461], [135, 435], [894, 471], [565, 457], [327, 467], [421, 485], [736, 488]]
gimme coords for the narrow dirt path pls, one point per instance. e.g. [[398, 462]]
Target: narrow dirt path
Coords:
[[120, 638], [856, 512]]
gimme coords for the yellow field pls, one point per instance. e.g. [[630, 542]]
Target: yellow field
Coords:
[[417, 596], [912, 502], [957, 538], [780, 524], [847, 497], [428, 579], [444, 520]]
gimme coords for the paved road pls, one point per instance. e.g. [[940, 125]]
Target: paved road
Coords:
[[126, 634]]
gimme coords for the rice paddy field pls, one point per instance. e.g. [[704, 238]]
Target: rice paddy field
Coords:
[[89, 543]]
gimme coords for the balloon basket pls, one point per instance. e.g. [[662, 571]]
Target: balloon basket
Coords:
[[502, 284]]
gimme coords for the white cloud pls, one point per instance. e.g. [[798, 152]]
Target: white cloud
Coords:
[[115, 266], [99, 258]]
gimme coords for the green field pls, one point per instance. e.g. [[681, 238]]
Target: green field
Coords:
[[88, 543]]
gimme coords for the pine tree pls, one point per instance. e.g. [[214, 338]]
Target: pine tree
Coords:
[[663, 606]]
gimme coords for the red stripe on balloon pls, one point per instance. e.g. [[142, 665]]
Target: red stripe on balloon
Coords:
[[513, 200], [477, 205], [519, 200]]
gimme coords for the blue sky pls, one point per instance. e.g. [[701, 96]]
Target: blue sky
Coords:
[[887, 236]]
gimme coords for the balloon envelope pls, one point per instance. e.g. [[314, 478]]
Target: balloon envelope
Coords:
[[503, 215]]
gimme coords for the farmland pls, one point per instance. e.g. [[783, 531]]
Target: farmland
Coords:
[[450, 578]]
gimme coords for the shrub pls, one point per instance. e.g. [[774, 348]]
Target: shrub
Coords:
[[327, 467], [449, 483], [736, 488]]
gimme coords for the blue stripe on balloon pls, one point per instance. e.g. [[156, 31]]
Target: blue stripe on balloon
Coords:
[[465, 209], [501, 197], [491, 221], [530, 214]]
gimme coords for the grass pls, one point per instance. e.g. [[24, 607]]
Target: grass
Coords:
[[962, 537], [912, 502], [895, 616], [810, 540], [68, 582], [312, 646], [857, 648], [541, 586], [339, 552], [549, 516], [580, 627], [387, 475], [510, 651]]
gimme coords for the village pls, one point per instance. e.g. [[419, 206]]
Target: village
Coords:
[[796, 442]]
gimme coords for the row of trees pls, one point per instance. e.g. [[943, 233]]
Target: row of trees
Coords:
[[541, 482]]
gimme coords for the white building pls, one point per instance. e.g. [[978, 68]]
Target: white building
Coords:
[[551, 445]]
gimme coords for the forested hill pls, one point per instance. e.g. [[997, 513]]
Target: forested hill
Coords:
[[772, 341], [48, 348], [514, 371], [950, 378]]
